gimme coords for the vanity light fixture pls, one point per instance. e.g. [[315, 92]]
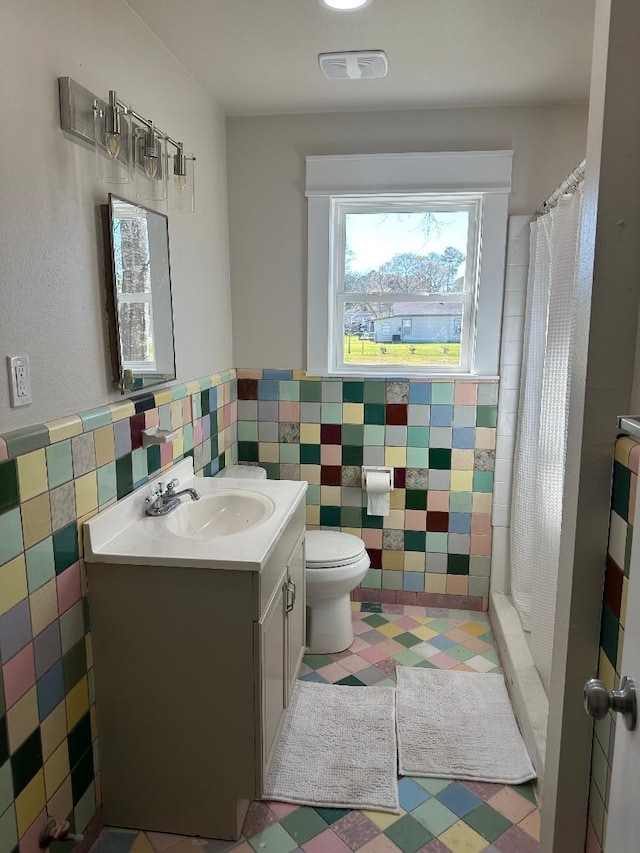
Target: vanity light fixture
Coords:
[[180, 169], [150, 152], [113, 126], [111, 132], [345, 5], [150, 164], [128, 146], [181, 181]]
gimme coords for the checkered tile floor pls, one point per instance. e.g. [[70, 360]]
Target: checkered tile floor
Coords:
[[438, 816]]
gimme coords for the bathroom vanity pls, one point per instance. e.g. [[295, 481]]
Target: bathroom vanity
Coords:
[[197, 640]]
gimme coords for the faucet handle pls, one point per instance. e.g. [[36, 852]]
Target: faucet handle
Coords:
[[171, 485], [155, 494]]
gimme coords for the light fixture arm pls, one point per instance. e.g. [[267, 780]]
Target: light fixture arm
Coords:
[[150, 125]]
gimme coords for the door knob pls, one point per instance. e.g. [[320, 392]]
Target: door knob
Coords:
[[598, 700]]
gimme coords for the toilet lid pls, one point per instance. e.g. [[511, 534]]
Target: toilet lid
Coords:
[[326, 549]]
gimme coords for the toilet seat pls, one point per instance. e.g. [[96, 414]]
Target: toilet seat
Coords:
[[326, 549]]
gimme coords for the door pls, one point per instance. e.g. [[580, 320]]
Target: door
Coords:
[[623, 827], [296, 612], [272, 639]]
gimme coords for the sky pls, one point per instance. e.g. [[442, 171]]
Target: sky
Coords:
[[377, 237]]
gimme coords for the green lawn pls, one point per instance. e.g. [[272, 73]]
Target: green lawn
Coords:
[[368, 352]]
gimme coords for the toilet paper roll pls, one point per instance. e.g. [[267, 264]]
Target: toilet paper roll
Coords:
[[378, 490]]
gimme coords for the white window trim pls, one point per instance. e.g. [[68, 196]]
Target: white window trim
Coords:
[[430, 174]]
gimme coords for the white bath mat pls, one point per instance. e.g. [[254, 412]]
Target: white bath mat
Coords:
[[458, 725], [337, 749]]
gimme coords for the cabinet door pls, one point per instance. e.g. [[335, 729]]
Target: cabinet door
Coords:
[[273, 669], [296, 615]]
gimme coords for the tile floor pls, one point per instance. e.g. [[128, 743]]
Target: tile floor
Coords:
[[438, 816]]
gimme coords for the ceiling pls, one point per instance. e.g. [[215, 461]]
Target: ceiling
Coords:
[[260, 56]]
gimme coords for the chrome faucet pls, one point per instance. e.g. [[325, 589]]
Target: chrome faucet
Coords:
[[163, 501]]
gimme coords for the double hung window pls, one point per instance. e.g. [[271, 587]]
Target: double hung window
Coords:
[[403, 282], [406, 263]]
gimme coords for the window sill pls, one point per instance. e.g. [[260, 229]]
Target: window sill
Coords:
[[396, 374]]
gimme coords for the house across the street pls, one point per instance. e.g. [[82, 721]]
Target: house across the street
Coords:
[[419, 323]]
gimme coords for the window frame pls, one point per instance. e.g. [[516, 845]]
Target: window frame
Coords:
[[486, 174], [341, 207]]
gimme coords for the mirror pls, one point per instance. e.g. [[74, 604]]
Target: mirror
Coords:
[[138, 295]]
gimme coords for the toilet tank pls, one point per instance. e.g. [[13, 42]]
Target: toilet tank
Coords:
[[243, 472]]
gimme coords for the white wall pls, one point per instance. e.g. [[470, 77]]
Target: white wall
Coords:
[[634, 405], [267, 209], [51, 279]]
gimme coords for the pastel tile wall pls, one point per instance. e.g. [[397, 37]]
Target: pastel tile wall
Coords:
[[53, 477], [434, 547], [614, 604]]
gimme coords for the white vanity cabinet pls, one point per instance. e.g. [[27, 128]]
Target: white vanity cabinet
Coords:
[[194, 668]]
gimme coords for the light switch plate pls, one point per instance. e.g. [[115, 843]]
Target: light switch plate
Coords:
[[19, 379]]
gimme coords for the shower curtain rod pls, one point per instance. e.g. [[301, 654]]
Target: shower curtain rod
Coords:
[[569, 185]]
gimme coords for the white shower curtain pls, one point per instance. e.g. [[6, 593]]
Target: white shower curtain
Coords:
[[539, 461]]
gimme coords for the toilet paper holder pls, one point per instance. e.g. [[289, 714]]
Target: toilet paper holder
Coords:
[[377, 482], [377, 469]]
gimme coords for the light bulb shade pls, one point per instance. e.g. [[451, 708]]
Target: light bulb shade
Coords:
[[181, 190], [150, 152], [112, 134]]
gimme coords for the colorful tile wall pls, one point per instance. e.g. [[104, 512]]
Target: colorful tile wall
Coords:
[[435, 544], [623, 503], [53, 477]]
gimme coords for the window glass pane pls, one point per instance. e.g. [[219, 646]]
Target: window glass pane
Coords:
[[406, 252], [131, 255], [136, 333], [409, 333]]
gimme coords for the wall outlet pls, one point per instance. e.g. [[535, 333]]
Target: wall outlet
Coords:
[[19, 379]]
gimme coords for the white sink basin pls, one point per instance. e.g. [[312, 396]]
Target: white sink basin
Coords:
[[235, 525], [222, 514]]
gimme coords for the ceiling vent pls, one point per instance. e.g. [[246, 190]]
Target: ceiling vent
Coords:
[[354, 65]]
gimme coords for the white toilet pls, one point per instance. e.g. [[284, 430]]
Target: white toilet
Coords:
[[335, 564]]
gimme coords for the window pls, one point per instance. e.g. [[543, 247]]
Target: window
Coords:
[[404, 282], [134, 302], [406, 263]]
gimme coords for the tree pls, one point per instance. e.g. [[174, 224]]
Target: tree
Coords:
[[452, 259], [405, 273], [408, 272], [134, 320]]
